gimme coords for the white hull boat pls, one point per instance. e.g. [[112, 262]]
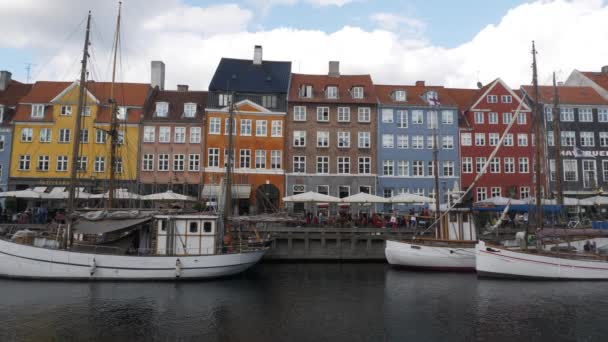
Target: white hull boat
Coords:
[[502, 262], [432, 254]]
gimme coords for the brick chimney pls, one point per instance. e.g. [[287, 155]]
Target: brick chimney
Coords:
[[157, 77], [419, 83], [257, 55], [334, 68], [5, 79], [182, 87]]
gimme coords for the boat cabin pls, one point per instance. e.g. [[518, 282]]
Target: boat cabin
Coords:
[[458, 224], [185, 234]]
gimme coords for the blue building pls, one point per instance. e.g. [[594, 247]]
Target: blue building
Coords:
[[409, 118]]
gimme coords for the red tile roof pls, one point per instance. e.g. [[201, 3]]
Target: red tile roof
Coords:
[[344, 83], [414, 95], [13, 93], [568, 95], [601, 78], [176, 100], [464, 97]]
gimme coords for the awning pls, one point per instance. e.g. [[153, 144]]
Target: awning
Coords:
[[107, 226], [239, 191]]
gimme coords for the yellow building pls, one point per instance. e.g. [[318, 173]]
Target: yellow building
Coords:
[[44, 127]]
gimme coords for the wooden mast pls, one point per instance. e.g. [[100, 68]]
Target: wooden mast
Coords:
[[557, 140], [114, 123], [538, 140], [436, 174], [227, 210]]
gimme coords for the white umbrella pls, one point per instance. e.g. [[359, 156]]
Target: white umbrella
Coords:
[[311, 197], [122, 194], [595, 200], [499, 200], [410, 198], [27, 194], [167, 196], [363, 197], [568, 201]]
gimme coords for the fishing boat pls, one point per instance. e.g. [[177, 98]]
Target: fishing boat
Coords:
[[132, 245]]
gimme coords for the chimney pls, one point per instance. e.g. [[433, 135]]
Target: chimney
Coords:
[[257, 55], [5, 79], [182, 87], [605, 69], [334, 68], [158, 74], [419, 83]]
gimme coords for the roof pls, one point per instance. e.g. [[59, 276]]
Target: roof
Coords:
[[344, 83], [568, 95], [463, 97], [13, 93], [414, 95], [107, 226], [600, 78], [176, 100], [241, 75]]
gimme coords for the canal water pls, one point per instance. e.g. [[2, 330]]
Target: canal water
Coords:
[[307, 302]]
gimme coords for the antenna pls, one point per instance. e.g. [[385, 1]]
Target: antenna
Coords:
[[28, 70]]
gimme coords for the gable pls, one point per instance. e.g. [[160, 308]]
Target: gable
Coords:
[[494, 87], [70, 96]]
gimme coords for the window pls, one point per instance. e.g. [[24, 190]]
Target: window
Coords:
[[227, 123], [43, 163], [493, 118], [323, 114], [430, 141], [402, 118], [37, 111], [163, 162], [495, 191], [86, 111], [568, 138], [81, 163], [62, 163], [245, 127], [495, 165], [149, 134], [509, 165], [148, 162], [64, 135], [480, 162], [276, 128], [549, 113], [189, 110], [448, 168], [306, 91], [24, 163], [322, 164], [552, 174], [120, 138], [447, 117], [403, 168], [322, 139], [524, 192], [492, 99], [524, 165], [431, 118], [343, 191], [566, 114], [357, 92], [465, 139], [364, 114], [331, 92], [195, 135], [66, 110], [467, 165], [100, 136], [162, 109], [400, 95], [521, 118], [343, 114], [164, 135], [603, 139], [261, 128], [178, 162], [224, 99], [194, 162], [418, 168], [100, 164], [228, 156], [299, 164], [180, 135], [387, 115], [480, 139], [299, 113], [245, 159], [269, 101], [46, 135], [27, 134], [587, 139], [417, 117], [403, 141], [570, 170], [493, 139], [506, 99], [323, 189], [550, 138], [447, 142], [365, 165], [121, 114], [84, 136], [585, 115], [522, 139], [506, 118], [275, 159], [193, 227], [602, 115], [430, 168], [260, 159], [213, 157], [343, 165], [508, 140], [299, 138], [215, 126], [343, 139], [1, 143], [388, 168], [387, 192], [417, 142], [364, 140], [605, 169], [479, 117], [482, 193], [387, 141]]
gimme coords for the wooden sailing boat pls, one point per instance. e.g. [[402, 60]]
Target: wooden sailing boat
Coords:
[[168, 246]]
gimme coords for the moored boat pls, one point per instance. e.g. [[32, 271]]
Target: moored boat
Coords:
[[445, 255]]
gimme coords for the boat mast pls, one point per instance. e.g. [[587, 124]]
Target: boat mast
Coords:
[[557, 140], [538, 140], [228, 181], [113, 122], [436, 174], [81, 95]]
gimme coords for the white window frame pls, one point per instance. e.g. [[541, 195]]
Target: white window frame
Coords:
[[162, 109], [299, 113], [364, 114], [343, 114], [321, 111]]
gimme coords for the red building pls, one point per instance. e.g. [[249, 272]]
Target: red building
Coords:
[[485, 116]]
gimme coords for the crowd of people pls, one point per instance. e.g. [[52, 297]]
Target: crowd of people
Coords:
[[411, 218]]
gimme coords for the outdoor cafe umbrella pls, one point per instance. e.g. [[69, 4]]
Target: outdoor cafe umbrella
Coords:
[[499, 200], [311, 197], [168, 196], [122, 194], [363, 197], [595, 200], [410, 198], [25, 194]]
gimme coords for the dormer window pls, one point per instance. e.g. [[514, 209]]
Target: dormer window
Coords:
[[162, 109], [331, 92], [37, 111], [121, 113], [399, 95], [224, 99], [357, 92], [269, 101], [432, 98], [306, 91], [189, 110]]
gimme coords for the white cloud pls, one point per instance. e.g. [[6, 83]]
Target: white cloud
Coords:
[[399, 23], [569, 34], [338, 3]]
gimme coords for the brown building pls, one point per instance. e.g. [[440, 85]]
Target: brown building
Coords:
[[331, 126]]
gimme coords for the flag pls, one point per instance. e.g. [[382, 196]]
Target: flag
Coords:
[[578, 153]]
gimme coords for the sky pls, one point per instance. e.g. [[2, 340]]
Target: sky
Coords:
[[450, 43]]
